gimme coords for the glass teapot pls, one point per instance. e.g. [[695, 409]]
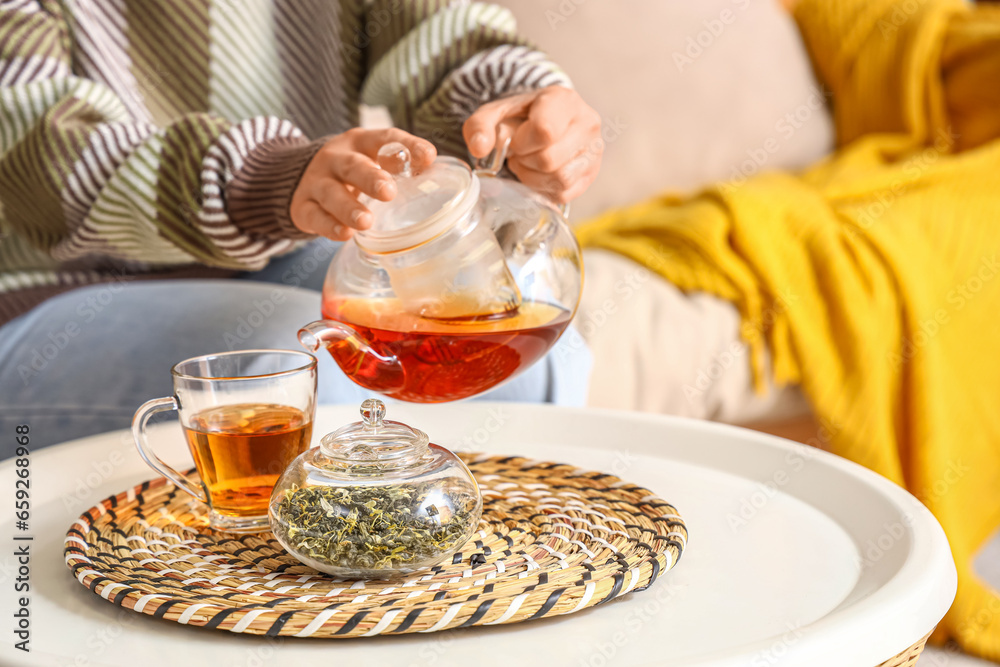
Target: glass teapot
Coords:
[[464, 280]]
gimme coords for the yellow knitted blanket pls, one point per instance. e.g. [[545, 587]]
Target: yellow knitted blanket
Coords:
[[891, 249]]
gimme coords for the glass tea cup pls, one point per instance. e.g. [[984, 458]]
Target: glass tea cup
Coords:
[[245, 415]]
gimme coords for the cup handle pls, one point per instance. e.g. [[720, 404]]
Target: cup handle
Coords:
[[142, 415]]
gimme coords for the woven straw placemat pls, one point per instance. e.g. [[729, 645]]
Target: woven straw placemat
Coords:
[[553, 540]]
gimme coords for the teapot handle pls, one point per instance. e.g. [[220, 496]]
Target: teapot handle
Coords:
[[494, 161]]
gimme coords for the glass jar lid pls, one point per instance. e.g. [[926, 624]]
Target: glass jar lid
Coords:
[[374, 441], [426, 203]]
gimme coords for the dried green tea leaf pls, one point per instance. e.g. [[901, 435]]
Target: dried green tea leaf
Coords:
[[371, 528]]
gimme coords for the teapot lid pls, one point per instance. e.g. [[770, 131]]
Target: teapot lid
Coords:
[[426, 203], [374, 440]]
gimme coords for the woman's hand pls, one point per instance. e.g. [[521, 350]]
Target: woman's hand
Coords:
[[557, 148], [325, 201]]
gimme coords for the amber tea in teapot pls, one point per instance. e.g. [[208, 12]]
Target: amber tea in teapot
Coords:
[[438, 360]]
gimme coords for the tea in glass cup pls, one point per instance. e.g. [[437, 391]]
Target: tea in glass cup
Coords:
[[242, 449], [246, 415]]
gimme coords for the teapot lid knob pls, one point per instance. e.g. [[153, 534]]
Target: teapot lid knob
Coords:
[[372, 412], [427, 203], [395, 158]]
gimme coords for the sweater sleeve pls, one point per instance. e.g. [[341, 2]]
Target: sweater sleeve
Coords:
[[433, 62], [85, 173]]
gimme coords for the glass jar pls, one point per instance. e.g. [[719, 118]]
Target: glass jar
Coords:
[[375, 499]]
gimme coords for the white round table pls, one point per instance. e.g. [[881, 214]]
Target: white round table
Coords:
[[796, 557]]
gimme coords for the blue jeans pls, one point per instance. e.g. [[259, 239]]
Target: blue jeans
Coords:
[[83, 361]]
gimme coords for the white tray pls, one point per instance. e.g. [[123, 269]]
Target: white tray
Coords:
[[795, 557]]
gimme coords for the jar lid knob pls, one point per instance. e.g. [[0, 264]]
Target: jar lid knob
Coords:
[[372, 413], [374, 440]]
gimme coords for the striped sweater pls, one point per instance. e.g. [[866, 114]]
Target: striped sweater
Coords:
[[160, 138]]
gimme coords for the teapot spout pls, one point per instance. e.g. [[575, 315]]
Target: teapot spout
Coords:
[[360, 361], [321, 333]]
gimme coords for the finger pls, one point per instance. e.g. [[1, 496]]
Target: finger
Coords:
[[310, 217], [536, 180], [556, 181], [561, 185], [579, 186], [341, 205], [582, 138], [480, 129], [422, 152], [549, 119], [361, 172]]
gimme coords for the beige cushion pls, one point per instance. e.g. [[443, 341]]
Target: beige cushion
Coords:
[[688, 114]]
